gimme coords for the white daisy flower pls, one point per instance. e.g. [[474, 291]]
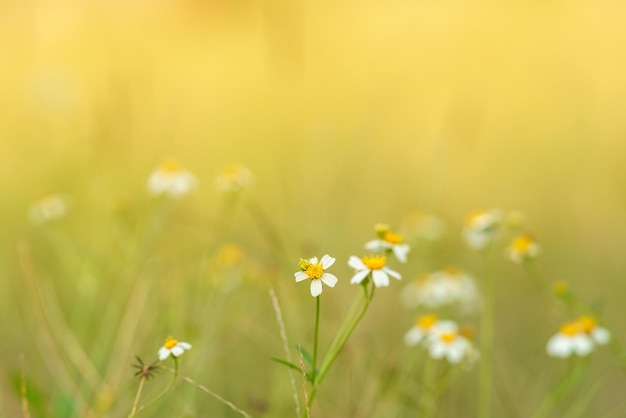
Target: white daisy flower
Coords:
[[233, 177], [523, 248], [388, 241], [173, 347], [446, 342], [424, 326], [482, 228], [171, 179], [315, 271], [374, 265], [571, 339], [442, 288], [48, 207]]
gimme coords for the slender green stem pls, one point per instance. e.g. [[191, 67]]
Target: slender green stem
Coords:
[[428, 398], [486, 341], [567, 384], [315, 340], [169, 386], [333, 353]]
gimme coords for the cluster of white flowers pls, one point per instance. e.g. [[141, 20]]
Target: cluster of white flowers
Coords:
[[442, 339], [445, 287], [578, 337], [173, 180]]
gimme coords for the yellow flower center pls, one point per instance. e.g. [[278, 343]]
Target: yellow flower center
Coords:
[[453, 271], [392, 238], [587, 323], [473, 218], [560, 287], [171, 167], [170, 343], [230, 255], [232, 172], [522, 243], [448, 337], [314, 271], [426, 322], [374, 262], [570, 329]]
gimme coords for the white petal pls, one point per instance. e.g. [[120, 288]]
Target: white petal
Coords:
[[437, 350], [413, 336], [380, 278], [327, 261], [392, 273], [300, 275], [163, 353], [583, 345], [316, 287], [375, 245], [356, 263], [313, 260], [184, 345], [400, 251], [359, 276], [559, 346], [601, 335], [177, 350], [329, 279]]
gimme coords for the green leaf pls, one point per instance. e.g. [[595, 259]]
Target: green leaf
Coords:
[[305, 355], [286, 363]]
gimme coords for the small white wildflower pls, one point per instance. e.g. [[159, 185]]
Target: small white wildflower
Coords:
[[446, 342], [315, 271], [389, 241], [424, 326], [233, 177], [171, 179], [482, 228], [47, 208], [374, 265], [523, 248], [173, 347]]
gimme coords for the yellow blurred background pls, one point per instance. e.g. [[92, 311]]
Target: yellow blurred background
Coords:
[[348, 113]]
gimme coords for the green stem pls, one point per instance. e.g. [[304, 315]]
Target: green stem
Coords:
[[159, 396], [317, 326], [428, 398], [486, 342], [566, 385], [333, 353]]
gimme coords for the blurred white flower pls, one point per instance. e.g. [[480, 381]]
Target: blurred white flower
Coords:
[[374, 264], [173, 347], [578, 337], [233, 177], [482, 228], [388, 241], [48, 207], [523, 248], [171, 179], [446, 342], [315, 271], [424, 326], [442, 288]]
